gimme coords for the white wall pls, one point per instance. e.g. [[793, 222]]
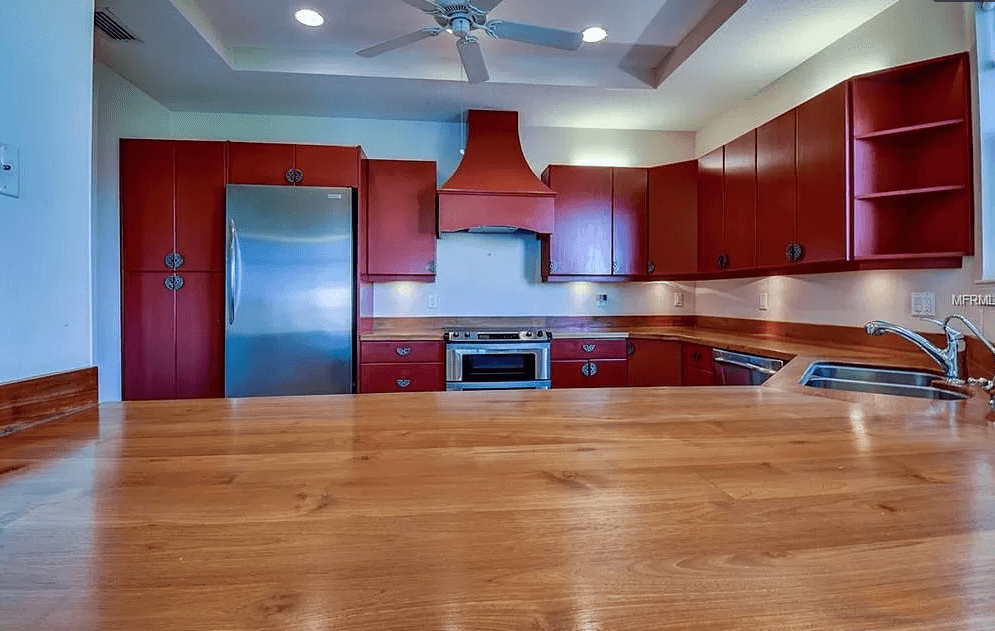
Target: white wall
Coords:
[[477, 274], [908, 31], [45, 109]]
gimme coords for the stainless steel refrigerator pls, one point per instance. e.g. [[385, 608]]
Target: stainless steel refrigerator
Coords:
[[290, 291]]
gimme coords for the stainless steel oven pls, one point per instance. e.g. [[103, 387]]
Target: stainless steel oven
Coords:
[[498, 360]]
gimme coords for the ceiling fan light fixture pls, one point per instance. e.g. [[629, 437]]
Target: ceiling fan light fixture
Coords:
[[594, 34], [309, 17]]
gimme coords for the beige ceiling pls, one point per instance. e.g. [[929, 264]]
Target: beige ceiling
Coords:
[[252, 56]]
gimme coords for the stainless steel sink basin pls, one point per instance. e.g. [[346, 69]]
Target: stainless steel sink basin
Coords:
[[897, 381]]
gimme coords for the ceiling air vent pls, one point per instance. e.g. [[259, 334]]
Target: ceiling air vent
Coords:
[[111, 26]]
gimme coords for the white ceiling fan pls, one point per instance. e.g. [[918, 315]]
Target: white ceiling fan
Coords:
[[462, 19]]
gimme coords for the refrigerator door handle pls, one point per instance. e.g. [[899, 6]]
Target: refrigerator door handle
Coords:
[[234, 253]]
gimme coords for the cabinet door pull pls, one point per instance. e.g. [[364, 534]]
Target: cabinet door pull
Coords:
[[695, 355], [630, 349], [295, 176], [553, 267], [430, 266], [403, 351], [793, 252], [588, 348], [174, 260], [650, 267], [589, 369], [722, 261], [174, 282], [402, 383]]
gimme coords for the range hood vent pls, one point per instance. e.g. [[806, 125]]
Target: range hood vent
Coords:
[[494, 189], [109, 24]]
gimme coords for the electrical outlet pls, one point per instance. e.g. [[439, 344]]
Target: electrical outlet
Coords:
[[433, 301], [764, 304], [10, 171], [678, 298], [601, 300], [923, 303]]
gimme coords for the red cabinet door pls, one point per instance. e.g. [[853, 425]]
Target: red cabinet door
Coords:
[[823, 187], [594, 348], [401, 217], [711, 204], [200, 335], [776, 190], [581, 243], [259, 162], [147, 187], [323, 165], [654, 363], [740, 223], [673, 219], [629, 212], [696, 377], [148, 337], [402, 378], [421, 352], [200, 205], [595, 373]]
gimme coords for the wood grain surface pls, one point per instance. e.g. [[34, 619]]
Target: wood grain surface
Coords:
[[28, 402], [651, 508]]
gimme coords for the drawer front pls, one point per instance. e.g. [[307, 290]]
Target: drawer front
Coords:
[[589, 349], [402, 378], [390, 352], [696, 377], [697, 356], [597, 373]]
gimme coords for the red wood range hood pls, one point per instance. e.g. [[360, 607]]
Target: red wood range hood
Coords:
[[494, 189]]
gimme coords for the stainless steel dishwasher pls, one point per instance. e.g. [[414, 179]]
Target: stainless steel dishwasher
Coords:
[[740, 369]]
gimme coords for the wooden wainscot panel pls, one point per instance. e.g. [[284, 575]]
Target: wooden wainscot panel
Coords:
[[30, 402]]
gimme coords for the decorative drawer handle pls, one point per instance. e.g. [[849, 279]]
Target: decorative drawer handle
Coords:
[[630, 349], [650, 267], [722, 261], [403, 351], [794, 252], [402, 383], [174, 282], [295, 176], [588, 348], [589, 369], [174, 260]]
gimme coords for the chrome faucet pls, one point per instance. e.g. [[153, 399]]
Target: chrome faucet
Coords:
[[951, 359]]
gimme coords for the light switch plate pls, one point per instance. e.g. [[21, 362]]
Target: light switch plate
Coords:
[[923, 303], [678, 298], [10, 171], [433, 301], [764, 304]]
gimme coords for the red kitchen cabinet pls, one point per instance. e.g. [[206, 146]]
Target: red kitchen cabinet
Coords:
[[200, 205], [629, 221], [592, 348], [776, 191], [147, 197], [401, 219], [403, 377], [200, 335], [672, 223], [696, 377], [581, 243], [148, 334], [711, 208], [305, 165], [260, 163], [654, 363], [402, 351], [590, 373], [823, 165], [739, 225]]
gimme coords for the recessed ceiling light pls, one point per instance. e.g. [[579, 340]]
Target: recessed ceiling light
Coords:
[[594, 34], [309, 17]]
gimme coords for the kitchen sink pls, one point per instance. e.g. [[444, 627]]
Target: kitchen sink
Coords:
[[897, 381]]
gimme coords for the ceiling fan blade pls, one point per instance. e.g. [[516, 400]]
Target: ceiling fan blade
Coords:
[[538, 35], [424, 5], [485, 5], [393, 44], [473, 60]]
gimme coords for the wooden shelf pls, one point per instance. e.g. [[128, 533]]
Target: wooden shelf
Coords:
[[911, 191], [909, 129]]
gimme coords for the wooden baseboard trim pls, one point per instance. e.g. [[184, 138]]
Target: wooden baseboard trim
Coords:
[[31, 402]]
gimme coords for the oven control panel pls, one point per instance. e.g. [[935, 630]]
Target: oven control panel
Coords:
[[469, 335]]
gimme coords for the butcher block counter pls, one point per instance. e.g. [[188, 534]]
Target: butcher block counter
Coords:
[[772, 507]]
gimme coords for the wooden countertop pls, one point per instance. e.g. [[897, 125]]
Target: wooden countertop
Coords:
[[657, 508]]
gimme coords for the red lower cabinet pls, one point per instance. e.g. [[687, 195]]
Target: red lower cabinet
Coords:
[[696, 377], [403, 377], [589, 373], [654, 363], [200, 336]]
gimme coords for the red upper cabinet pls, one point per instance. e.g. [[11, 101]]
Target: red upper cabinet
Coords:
[[711, 204], [401, 218], [739, 227], [629, 221], [673, 219], [260, 163], [776, 191], [321, 165], [822, 162], [200, 205], [147, 192], [581, 243]]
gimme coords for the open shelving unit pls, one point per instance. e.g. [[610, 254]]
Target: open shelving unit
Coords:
[[913, 192]]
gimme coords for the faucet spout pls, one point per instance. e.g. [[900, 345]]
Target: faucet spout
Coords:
[[949, 359]]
